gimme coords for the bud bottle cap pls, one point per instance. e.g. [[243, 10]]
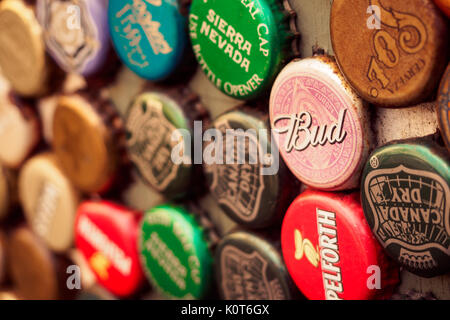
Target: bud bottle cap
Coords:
[[330, 251], [443, 107], [150, 37], [398, 50], [241, 45], [22, 58], [86, 140], [321, 126], [255, 189], [76, 33], [248, 267], [175, 253], [406, 199], [154, 129], [106, 233], [444, 5], [49, 201]]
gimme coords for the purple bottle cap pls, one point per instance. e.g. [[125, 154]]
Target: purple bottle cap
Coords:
[[76, 33]]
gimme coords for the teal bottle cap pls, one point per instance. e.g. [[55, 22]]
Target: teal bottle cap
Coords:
[[175, 253], [149, 36], [406, 200], [242, 44]]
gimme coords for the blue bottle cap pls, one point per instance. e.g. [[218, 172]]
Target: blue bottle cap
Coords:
[[149, 36]]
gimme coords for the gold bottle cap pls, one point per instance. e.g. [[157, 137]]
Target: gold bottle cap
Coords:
[[49, 201], [392, 52], [22, 49], [83, 142], [31, 266]]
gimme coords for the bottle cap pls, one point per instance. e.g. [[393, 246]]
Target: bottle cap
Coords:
[[241, 45], [444, 5], [32, 267], [22, 58], [322, 127], [87, 138], [154, 125], [398, 49], [106, 233], [406, 199], [8, 192], [248, 267], [149, 36], [330, 251], [76, 33], [49, 201], [443, 107], [19, 130], [175, 253], [253, 192]]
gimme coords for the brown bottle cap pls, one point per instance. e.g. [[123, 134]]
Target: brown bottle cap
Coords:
[[397, 51], [443, 107], [31, 266], [85, 141], [22, 55], [19, 129], [49, 201]]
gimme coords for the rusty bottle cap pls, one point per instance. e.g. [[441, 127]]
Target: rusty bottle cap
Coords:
[[397, 50]]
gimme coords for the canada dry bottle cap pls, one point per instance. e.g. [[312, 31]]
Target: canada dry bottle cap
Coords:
[[406, 199], [392, 52]]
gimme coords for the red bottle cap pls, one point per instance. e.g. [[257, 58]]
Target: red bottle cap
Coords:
[[330, 251], [106, 235]]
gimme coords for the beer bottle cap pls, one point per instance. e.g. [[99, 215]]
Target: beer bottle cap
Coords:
[[22, 58], [19, 130], [406, 199], [106, 233], [174, 253], [150, 37], [251, 189], [398, 49], [330, 250], [76, 33], [87, 137], [153, 120], [241, 45], [444, 5], [443, 107], [32, 267], [248, 267], [49, 201], [322, 127]]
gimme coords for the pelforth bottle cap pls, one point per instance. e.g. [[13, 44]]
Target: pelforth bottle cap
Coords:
[[76, 33], [444, 5], [150, 37], [330, 250], [249, 267], [106, 233], [49, 201], [392, 52], [406, 199], [443, 107], [321, 126], [240, 44], [251, 186], [175, 253]]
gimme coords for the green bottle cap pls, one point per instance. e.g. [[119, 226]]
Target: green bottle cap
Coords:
[[174, 253], [241, 44], [406, 199]]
